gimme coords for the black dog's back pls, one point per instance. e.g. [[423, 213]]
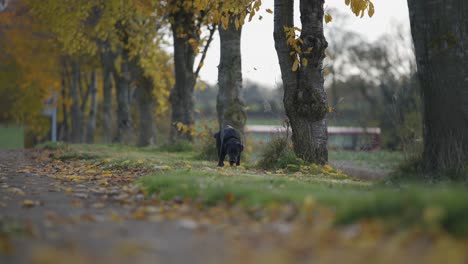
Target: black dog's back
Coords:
[[228, 141]]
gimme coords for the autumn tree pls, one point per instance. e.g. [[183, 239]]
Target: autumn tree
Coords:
[[117, 34], [439, 32], [230, 104], [186, 20], [301, 62], [28, 64]]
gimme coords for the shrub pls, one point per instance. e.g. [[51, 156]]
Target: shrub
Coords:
[[49, 145], [205, 142], [278, 154]]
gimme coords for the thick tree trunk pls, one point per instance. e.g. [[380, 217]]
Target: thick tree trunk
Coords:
[[124, 118], [144, 93], [107, 62], [75, 111], [440, 34], [91, 128], [230, 104], [181, 97], [304, 95]]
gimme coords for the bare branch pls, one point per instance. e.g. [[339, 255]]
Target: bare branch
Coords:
[[205, 50]]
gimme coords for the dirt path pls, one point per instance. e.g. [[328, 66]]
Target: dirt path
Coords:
[[39, 223]]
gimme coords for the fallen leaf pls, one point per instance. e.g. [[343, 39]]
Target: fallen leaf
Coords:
[[29, 203], [187, 224], [16, 191], [6, 247]]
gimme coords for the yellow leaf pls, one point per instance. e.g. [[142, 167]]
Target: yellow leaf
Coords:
[[295, 65], [371, 9], [309, 202], [269, 11], [29, 203], [305, 62], [327, 168], [328, 18], [252, 14], [229, 197]]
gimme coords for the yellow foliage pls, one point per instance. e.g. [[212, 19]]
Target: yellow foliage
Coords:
[[185, 129], [358, 7]]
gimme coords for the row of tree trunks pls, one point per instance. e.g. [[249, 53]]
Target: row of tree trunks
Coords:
[[304, 95], [129, 79], [230, 105]]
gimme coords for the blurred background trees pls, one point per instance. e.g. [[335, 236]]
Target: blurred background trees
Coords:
[[110, 63]]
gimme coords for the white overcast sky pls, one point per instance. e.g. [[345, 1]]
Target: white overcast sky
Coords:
[[258, 51]]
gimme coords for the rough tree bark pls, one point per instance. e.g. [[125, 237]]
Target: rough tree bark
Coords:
[[304, 96], [440, 34], [230, 104], [123, 81], [181, 98], [91, 127], [107, 63]]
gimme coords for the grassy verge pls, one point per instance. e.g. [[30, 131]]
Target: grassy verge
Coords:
[[439, 207], [386, 160], [181, 174]]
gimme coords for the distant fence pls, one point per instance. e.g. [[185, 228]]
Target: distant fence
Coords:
[[351, 138]]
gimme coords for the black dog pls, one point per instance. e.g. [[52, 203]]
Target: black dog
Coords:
[[228, 141]]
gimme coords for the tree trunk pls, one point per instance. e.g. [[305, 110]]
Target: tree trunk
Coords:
[[181, 97], [107, 62], [124, 118], [144, 93], [230, 104], [440, 34], [64, 129], [91, 128], [75, 111], [304, 95]]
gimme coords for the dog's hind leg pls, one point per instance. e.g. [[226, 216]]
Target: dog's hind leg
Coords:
[[222, 156]]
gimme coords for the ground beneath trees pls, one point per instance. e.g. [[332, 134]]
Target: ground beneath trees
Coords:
[[43, 221], [75, 211]]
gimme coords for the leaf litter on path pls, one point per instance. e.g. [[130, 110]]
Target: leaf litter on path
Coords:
[[278, 234]]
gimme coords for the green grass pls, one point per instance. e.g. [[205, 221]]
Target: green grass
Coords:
[[381, 159], [441, 206], [11, 137], [181, 174], [117, 156], [253, 190], [265, 121]]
